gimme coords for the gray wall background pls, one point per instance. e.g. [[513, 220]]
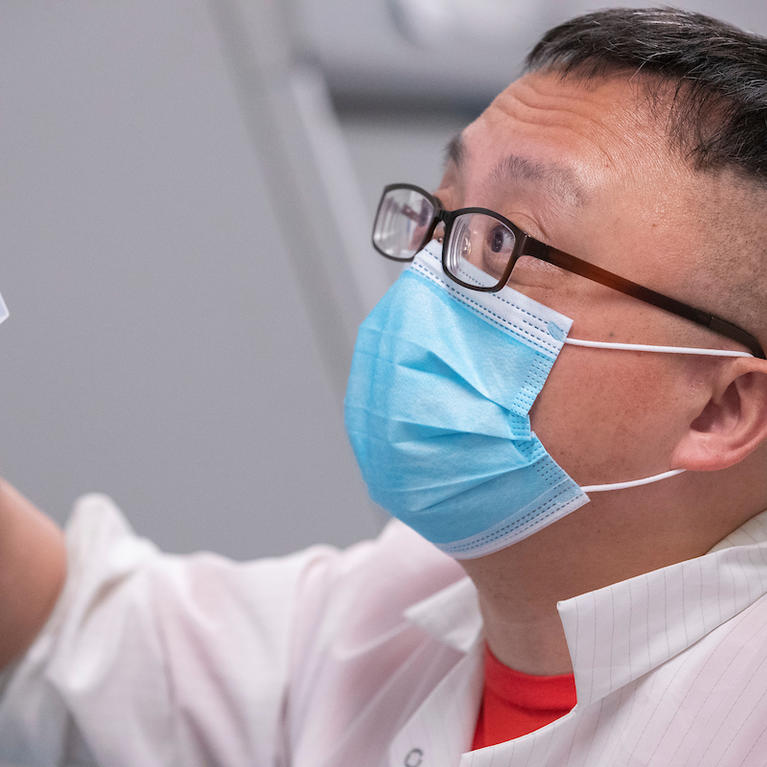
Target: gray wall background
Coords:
[[182, 316]]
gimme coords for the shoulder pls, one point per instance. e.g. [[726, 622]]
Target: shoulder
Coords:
[[369, 586]]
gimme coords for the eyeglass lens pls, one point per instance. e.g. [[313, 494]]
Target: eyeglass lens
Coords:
[[478, 249], [402, 223]]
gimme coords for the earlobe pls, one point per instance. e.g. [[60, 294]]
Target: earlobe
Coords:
[[732, 423]]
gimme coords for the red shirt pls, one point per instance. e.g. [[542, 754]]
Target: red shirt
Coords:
[[514, 703]]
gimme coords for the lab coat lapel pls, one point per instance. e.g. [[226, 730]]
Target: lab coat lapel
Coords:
[[451, 615], [442, 728]]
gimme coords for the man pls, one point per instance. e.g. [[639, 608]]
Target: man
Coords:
[[604, 266]]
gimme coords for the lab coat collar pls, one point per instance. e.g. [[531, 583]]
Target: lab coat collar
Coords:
[[618, 633], [451, 615]]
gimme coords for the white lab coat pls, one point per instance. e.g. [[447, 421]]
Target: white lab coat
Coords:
[[373, 656]]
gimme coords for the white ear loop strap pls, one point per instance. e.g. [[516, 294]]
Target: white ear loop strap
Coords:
[[631, 483], [651, 348], [4, 314]]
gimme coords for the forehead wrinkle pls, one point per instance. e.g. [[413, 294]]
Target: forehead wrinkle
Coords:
[[514, 107], [537, 98], [627, 122], [558, 180]]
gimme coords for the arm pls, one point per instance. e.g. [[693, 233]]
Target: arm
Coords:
[[32, 571], [152, 658]]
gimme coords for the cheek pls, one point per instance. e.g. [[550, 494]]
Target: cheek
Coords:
[[601, 415]]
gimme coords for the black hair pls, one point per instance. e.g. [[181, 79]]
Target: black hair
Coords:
[[717, 75]]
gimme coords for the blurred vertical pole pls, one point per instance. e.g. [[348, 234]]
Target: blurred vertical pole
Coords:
[[316, 199]]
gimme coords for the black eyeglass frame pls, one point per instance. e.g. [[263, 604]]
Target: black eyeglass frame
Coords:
[[526, 245]]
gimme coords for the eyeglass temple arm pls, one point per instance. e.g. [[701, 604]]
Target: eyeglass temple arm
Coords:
[[573, 264]]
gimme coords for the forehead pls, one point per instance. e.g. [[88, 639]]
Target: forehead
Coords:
[[597, 131], [591, 153]]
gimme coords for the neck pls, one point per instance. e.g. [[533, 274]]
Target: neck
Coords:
[[526, 635], [519, 588], [616, 536]]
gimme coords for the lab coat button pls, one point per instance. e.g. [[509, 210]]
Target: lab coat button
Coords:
[[413, 758]]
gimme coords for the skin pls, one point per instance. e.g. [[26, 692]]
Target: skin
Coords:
[[605, 415], [33, 556]]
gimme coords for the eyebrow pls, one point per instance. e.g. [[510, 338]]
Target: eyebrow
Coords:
[[454, 151], [558, 180]]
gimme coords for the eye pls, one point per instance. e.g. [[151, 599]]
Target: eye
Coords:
[[500, 239]]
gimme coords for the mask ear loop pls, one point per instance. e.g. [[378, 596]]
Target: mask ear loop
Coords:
[[648, 348], [4, 313], [631, 483], [651, 348]]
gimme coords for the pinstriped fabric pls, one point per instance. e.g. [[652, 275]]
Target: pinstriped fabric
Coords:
[[629, 628], [706, 707], [670, 669]]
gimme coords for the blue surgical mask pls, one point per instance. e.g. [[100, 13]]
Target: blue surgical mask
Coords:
[[437, 411]]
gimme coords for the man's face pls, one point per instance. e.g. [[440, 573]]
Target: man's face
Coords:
[[594, 177]]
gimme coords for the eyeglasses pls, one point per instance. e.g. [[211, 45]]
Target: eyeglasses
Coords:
[[480, 248]]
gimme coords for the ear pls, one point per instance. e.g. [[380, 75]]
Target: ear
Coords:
[[733, 422]]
